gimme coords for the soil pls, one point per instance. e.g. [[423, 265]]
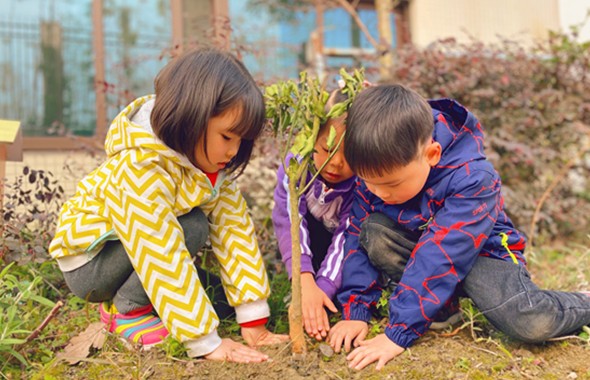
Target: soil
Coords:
[[434, 356]]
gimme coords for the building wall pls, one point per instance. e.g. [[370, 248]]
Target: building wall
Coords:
[[573, 13], [524, 21]]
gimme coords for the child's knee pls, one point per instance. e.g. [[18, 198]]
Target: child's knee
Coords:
[[529, 328], [386, 248], [196, 229]]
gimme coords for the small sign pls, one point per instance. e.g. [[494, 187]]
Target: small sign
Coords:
[[11, 140], [8, 130]]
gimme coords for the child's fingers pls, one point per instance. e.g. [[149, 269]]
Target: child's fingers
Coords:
[[360, 338], [325, 323], [347, 342], [335, 340], [271, 338], [364, 360], [315, 318], [236, 352], [330, 305], [246, 355], [307, 322]]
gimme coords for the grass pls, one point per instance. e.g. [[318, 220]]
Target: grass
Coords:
[[474, 350]]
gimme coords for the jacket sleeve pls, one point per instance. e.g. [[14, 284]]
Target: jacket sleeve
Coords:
[[139, 201], [444, 255], [235, 246], [360, 290], [281, 220], [329, 276]]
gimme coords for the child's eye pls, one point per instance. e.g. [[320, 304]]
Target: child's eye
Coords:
[[226, 137]]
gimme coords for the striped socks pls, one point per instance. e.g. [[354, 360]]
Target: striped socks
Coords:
[[140, 326]]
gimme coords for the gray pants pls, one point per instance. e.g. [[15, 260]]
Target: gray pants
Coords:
[[110, 275], [502, 291]]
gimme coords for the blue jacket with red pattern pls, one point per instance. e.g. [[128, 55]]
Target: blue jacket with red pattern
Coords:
[[460, 213]]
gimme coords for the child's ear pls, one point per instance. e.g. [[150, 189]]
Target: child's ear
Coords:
[[433, 152]]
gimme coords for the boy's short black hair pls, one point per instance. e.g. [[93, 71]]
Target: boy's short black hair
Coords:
[[200, 84], [385, 128]]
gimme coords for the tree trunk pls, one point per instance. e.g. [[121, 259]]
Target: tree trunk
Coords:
[[295, 312], [384, 10]]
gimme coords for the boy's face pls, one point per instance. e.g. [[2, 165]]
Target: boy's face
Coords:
[[400, 185], [337, 169]]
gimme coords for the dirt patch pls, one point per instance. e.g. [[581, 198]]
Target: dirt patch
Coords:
[[432, 357]]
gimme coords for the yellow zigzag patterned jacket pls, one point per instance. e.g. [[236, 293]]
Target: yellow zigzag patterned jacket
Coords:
[[137, 195]]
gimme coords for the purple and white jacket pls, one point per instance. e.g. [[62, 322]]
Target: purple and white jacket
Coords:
[[329, 205]]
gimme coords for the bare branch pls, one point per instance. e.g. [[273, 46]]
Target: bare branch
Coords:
[[354, 14]]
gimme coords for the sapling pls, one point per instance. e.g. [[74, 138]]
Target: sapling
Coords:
[[296, 111]]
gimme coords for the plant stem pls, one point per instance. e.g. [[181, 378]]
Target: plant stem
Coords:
[[295, 312]]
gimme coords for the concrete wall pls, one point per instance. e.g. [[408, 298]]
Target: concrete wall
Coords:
[[521, 20], [573, 13], [67, 167]]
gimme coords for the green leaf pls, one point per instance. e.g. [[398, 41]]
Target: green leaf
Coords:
[[304, 143], [42, 300], [331, 137], [11, 341], [18, 356]]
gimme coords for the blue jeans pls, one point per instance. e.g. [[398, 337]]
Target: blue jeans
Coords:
[[110, 275], [501, 290]]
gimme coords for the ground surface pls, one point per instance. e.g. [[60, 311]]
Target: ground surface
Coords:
[[434, 357], [475, 351]]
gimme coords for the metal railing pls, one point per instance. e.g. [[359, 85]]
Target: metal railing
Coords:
[[47, 74]]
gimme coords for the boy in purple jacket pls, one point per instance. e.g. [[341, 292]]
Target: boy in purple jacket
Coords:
[[324, 210], [429, 215]]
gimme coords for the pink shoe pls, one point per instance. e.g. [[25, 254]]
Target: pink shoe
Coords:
[[139, 326]]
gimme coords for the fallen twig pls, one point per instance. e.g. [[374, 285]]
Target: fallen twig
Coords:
[[568, 337], [49, 317], [452, 333], [484, 350]]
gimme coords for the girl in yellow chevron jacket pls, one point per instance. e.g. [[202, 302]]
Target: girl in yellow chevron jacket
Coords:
[[128, 236]]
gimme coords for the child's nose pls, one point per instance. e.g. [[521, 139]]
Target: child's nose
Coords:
[[338, 159], [233, 150], [381, 193]]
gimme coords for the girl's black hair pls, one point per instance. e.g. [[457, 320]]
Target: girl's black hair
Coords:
[[201, 84]]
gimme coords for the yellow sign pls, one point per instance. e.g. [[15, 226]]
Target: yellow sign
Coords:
[[8, 130]]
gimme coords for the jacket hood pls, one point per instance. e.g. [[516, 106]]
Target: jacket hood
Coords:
[[460, 135], [131, 129]]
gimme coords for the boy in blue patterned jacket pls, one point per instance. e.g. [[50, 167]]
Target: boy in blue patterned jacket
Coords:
[[428, 214]]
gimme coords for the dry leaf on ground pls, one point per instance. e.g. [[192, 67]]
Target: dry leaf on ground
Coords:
[[79, 347]]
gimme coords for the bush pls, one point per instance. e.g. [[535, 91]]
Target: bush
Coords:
[[29, 216], [535, 106]]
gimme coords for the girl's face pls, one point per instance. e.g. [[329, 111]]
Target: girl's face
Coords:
[[337, 169], [222, 145]]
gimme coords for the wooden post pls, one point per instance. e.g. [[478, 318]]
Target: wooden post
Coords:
[[100, 84], [384, 9], [221, 23], [177, 26], [11, 149]]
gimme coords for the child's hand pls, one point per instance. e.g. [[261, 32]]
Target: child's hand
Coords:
[[347, 332], [313, 299], [259, 336], [236, 352], [379, 349]]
